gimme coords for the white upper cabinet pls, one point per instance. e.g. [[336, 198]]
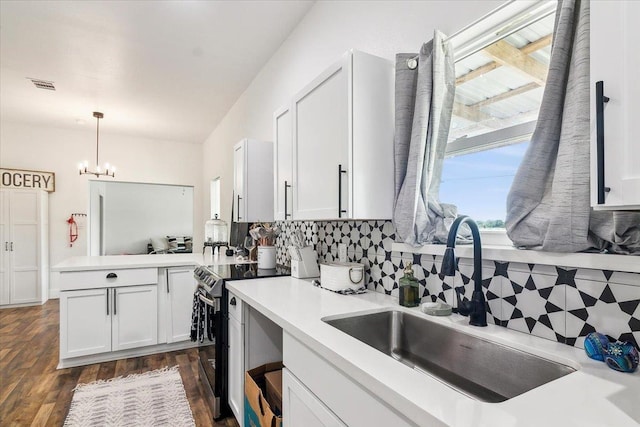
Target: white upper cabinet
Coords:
[[342, 157], [321, 126], [615, 150], [282, 166], [252, 181]]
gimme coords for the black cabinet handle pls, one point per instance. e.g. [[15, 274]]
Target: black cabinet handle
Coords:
[[340, 210], [239, 217], [115, 299], [112, 276], [233, 301], [600, 101], [107, 301], [286, 186], [11, 246]]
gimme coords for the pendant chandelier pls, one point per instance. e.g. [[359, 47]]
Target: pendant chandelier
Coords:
[[83, 167]]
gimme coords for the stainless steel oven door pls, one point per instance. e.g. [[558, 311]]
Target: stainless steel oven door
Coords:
[[207, 354]]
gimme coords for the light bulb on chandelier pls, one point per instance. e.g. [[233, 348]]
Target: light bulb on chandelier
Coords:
[[83, 168]]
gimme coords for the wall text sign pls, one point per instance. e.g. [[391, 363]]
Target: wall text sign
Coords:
[[24, 179]]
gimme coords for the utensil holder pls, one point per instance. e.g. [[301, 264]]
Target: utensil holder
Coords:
[[266, 257]]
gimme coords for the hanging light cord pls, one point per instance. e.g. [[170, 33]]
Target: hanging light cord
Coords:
[[97, 139]]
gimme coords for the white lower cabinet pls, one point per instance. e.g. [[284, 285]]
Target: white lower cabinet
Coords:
[[236, 370], [134, 320], [300, 407], [85, 322], [96, 321], [180, 287], [335, 391]]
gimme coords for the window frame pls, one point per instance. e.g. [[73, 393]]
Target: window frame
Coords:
[[214, 197], [496, 25]]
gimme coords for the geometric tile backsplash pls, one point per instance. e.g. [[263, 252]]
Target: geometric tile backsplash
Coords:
[[552, 302]]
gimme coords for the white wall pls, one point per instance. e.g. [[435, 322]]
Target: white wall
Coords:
[[137, 160], [382, 28]]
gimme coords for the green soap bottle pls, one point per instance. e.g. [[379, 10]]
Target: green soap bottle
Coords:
[[409, 290]]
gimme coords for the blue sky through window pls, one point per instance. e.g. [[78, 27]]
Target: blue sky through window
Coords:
[[478, 183]]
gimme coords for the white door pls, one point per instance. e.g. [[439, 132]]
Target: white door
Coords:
[[236, 369], [615, 59], [23, 247], [282, 168], [300, 407], [5, 241], [240, 211], [85, 322], [180, 288], [135, 316], [322, 126]]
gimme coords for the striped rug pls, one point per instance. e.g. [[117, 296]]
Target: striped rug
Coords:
[[155, 398]]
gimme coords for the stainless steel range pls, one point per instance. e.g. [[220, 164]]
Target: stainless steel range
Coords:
[[213, 355]]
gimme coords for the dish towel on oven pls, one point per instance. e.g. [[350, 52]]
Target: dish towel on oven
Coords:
[[197, 317], [202, 318]]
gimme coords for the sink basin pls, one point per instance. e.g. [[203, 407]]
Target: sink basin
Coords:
[[481, 369]]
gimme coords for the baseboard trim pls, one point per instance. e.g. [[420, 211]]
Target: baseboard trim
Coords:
[[124, 354]]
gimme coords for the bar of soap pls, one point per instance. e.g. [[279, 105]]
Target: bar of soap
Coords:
[[436, 308]]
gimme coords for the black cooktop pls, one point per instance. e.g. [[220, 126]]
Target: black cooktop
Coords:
[[246, 271]]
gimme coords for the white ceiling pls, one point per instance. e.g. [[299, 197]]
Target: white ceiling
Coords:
[[157, 69]]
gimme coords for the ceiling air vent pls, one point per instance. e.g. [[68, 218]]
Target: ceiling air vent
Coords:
[[42, 84]]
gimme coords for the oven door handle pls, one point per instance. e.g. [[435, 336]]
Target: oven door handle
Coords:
[[215, 303]]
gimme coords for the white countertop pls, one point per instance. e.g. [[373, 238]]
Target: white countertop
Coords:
[[80, 263], [593, 396]]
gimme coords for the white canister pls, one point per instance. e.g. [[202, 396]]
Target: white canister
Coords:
[[342, 276], [267, 257]]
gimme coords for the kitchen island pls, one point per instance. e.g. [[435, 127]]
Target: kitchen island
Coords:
[[342, 381], [114, 307]]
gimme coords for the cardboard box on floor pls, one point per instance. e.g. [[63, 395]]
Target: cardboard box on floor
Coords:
[[274, 390], [257, 412]]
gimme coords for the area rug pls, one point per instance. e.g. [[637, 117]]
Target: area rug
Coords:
[[155, 398]]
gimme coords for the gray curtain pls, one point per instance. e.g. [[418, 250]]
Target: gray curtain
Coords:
[[548, 206], [423, 107]]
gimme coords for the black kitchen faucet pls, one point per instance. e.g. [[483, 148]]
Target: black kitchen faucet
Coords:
[[476, 307]]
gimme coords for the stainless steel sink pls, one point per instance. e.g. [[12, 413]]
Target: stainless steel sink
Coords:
[[482, 369]]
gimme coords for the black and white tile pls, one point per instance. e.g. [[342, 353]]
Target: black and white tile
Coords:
[[552, 302], [534, 304], [611, 309], [491, 284]]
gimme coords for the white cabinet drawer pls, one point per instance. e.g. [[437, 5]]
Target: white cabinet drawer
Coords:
[[73, 280], [235, 307], [348, 400], [300, 407]]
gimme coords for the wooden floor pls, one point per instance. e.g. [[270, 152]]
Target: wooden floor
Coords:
[[34, 393]]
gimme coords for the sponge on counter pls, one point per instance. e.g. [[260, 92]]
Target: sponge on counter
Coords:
[[436, 308]]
